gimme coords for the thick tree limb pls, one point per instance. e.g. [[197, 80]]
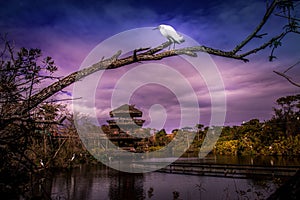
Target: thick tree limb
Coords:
[[113, 63], [68, 80]]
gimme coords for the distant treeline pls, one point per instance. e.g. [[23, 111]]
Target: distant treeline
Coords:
[[278, 136]]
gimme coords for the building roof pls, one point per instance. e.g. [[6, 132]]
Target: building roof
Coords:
[[126, 111]]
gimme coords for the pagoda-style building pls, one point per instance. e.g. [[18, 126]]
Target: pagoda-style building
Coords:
[[125, 119]]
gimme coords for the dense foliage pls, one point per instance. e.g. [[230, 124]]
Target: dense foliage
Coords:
[[278, 136], [26, 138]]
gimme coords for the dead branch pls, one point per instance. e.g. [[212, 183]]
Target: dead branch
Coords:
[[289, 79], [263, 46], [56, 152], [258, 28], [67, 99], [286, 17], [289, 68]]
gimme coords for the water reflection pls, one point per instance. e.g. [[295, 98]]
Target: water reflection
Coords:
[[126, 186], [100, 182]]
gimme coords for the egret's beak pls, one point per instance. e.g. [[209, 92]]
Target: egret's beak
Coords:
[[155, 28]]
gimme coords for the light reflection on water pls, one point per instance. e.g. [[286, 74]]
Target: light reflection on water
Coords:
[[101, 182]]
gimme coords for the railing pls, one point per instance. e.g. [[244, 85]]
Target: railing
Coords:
[[223, 170]]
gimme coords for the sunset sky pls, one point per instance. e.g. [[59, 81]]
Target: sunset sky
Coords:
[[69, 30]]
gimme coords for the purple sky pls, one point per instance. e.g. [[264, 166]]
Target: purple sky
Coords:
[[69, 31]]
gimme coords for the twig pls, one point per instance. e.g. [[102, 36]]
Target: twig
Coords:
[[158, 48], [286, 17], [57, 100], [287, 78], [291, 66], [263, 46], [258, 28], [260, 35]]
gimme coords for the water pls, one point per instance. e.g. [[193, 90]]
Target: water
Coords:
[[104, 183], [101, 182]]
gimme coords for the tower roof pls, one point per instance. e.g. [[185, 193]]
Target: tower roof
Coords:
[[126, 111]]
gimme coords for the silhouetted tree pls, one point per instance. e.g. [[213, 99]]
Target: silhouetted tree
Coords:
[[287, 114]]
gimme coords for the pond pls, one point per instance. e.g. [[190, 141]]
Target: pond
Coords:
[[102, 182]]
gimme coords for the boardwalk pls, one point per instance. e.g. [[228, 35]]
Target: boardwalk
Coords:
[[224, 170]]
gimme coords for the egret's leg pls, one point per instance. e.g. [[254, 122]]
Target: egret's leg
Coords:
[[171, 43], [174, 46]]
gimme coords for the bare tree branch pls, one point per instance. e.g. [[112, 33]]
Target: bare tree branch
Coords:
[[284, 75], [286, 17], [289, 79], [56, 152], [113, 63], [291, 67], [263, 46], [57, 100], [258, 28]]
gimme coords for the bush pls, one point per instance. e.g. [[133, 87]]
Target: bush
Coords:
[[227, 147]]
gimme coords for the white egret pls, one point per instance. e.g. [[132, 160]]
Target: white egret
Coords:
[[73, 157], [41, 163], [170, 33]]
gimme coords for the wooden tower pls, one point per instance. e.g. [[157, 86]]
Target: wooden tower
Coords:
[[125, 119]]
